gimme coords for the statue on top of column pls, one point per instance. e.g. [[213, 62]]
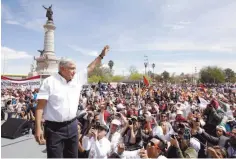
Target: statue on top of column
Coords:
[[49, 12], [41, 52]]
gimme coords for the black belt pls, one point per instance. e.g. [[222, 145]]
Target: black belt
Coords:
[[63, 123]]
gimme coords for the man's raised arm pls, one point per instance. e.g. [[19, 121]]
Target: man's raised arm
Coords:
[[98, 60]]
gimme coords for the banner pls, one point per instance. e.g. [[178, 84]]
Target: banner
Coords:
[[28, 83]]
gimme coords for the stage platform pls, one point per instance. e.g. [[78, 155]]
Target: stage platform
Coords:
[[22, 147]]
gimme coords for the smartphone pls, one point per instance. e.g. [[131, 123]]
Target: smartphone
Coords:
[[174, 136], [130, 122]]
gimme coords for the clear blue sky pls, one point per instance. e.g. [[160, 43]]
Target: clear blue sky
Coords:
[[175, 35]]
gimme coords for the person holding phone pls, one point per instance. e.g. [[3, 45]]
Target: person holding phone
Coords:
[[154, 149], [183, 146], [96, 142], [114, 135]]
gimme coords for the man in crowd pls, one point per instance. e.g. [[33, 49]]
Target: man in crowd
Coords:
[[58, 99]]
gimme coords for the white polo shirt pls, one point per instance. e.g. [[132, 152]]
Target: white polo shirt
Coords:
[[62, 97]]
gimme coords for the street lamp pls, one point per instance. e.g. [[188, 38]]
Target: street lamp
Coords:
[[153, 66], [145, 65]]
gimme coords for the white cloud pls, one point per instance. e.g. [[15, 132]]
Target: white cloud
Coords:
[[9, 17], [83, 51], [11, 54], [9, 62], [189, 46], [177, 45], [197, 26], [13, 22]]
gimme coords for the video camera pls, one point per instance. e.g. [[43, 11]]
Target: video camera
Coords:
[[130, 122], [96, 125]]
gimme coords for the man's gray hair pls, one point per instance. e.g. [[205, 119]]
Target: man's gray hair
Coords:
[[64, 62]]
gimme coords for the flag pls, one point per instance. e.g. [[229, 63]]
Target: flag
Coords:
[[145, 81], [202, 86]]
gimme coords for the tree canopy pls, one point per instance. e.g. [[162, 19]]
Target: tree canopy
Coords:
[[229, 75], [209, 74], [212, 74]]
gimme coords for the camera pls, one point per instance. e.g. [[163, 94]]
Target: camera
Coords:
[[174, 136], [130, 122], [181, 126], [197, 120], [96, 125], [118, 115]]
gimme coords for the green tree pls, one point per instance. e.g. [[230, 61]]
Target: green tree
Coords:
[[157, 78], [133, 70], [229, 75], [94, 79], [136, 76], [165, 75], [212, 75], [102, 73], [117, 78], [110, 64], [106, 78]]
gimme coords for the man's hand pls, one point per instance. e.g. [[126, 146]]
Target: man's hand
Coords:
[[143, 153], [105, 50], [211, 151], [95, 133], [131, 127], [121, 148], [39, 136], [174, 142]]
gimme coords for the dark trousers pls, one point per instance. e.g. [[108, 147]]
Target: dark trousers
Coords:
[[61, 139]]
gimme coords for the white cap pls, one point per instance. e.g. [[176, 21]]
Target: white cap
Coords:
[[221, 127], [179, 112], [230, 118], [116, 122], [120, 106], [194, 143]]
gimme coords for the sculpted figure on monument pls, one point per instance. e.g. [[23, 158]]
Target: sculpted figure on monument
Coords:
[[49, 13], [41, 52], [32, 67]]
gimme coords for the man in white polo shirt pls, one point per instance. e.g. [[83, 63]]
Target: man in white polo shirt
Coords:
[[58, 100]]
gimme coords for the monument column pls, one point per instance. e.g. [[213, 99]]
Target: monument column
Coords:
[[47, 62], [49, 28]]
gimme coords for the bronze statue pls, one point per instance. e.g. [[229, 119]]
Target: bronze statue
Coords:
[[49, 13], [41, 52]]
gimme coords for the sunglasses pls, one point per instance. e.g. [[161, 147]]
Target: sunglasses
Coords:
[[153, 144]]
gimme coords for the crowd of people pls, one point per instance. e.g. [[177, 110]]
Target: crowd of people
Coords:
[[156, 121], [18, 103]]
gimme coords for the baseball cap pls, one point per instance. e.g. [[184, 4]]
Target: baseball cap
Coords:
[[116, 122]]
